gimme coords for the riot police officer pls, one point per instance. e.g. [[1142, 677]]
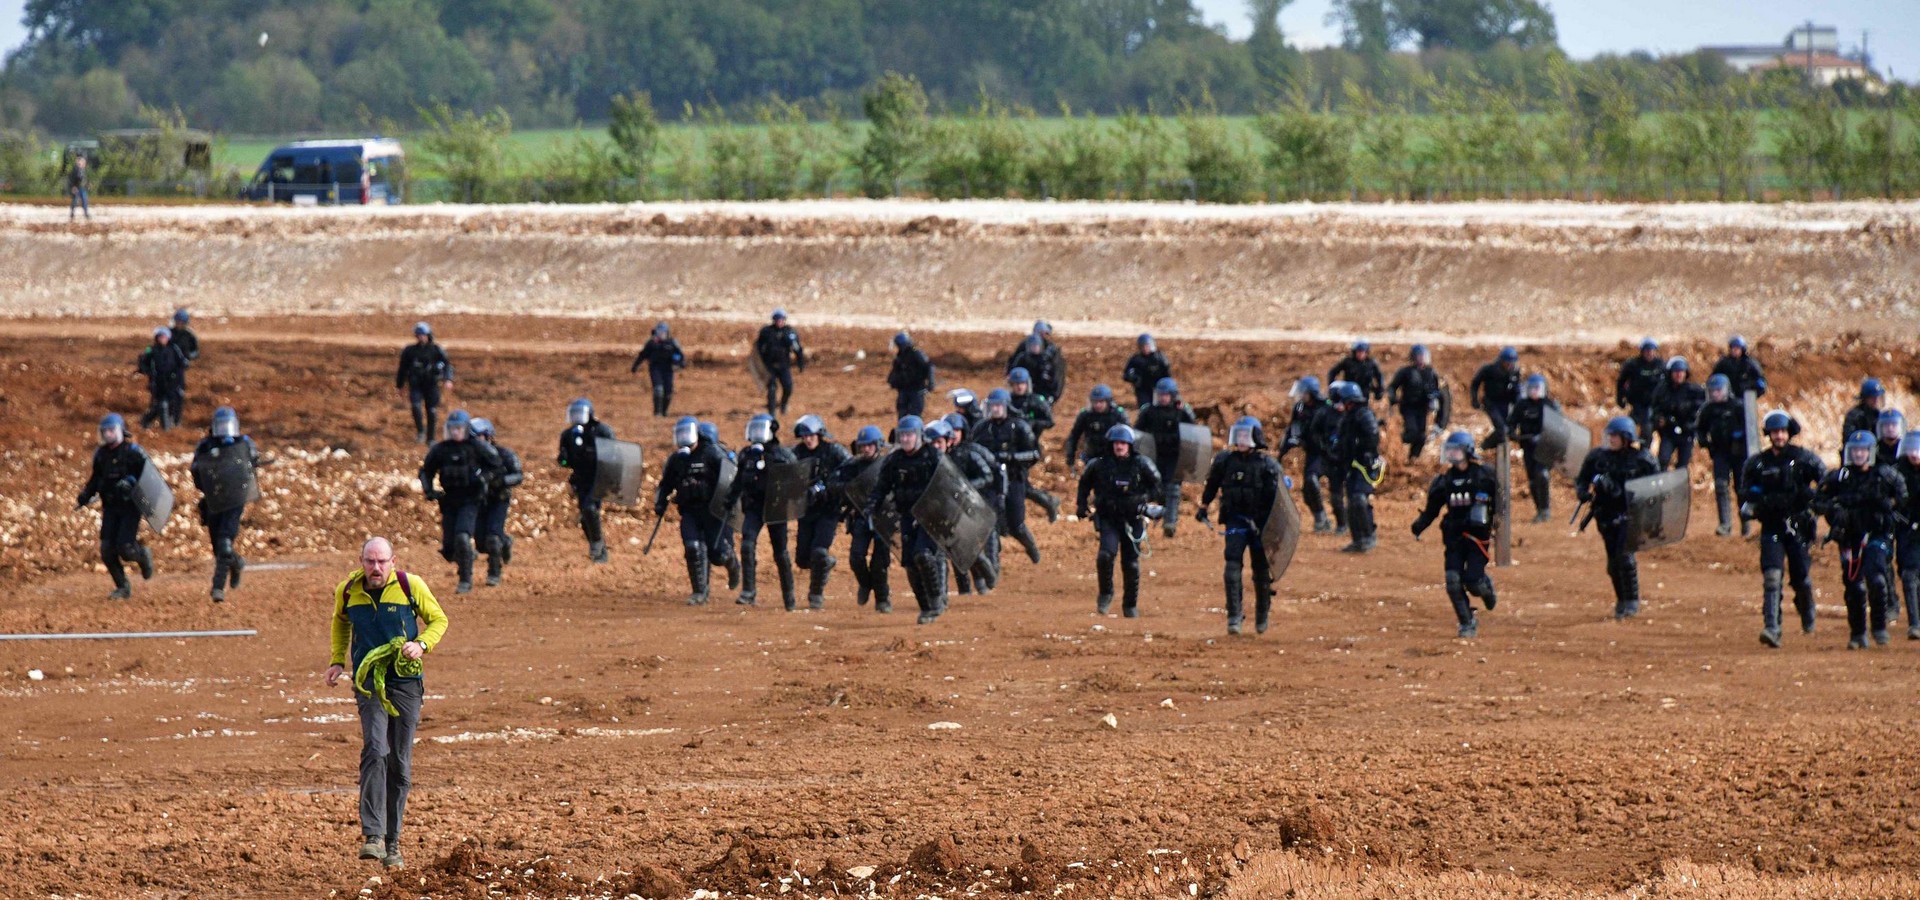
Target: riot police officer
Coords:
[[967, 404], [778, 347], [1415, 391], [1888, 429], [817, 526], [1906, 546], [1742, 371], [1462, 497], [904, 476], [183, 336], [165, 366], [911, 377], [1359, 368], [1324, 433], [1860, 500], [424, 371], [1123, 487], [223, 470], [117, 466], [1676, 408], [662, 356], [1722, 429], [580, 456], [1494, 390], [1301, 433], [1603, 482], [1162, 420], [689, 480], [1144, 370], [1088, 437], [466, 470], [749, 490], [1025, 402], [1777, 488], [984, 473], [1865, 414], [1529, 422], [722, 554], [1640, 375], [1011, 442], [1248, 482], [1356, 455], [497, 503], [1040, 356], [869, 554]]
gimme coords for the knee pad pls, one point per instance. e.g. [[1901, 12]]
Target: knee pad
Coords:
[[491, 543], [1771, 579], [1104, 559], [820, 559], [130, 551], [1454, 582], [223, 549], [465, 548]]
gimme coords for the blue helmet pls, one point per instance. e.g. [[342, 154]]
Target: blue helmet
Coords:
[[1458, 441], [808, 426], [1307, 388], [1624, 427], [180, 316], [709, 432], [1122, 434], [1890, 425], [1509, 355], [112, 422], [1536, 380], [1100, 393], [909, 425], [1420, 353], [483, 427], [1648, 345], [1019, 375], [938, 430], [1043, 328], [1167, 386], [902, 340], [1910, 445], [580, 411], [1778, 420], [779, 315], [1000, 396], [1871, 388], [1362, 347], [163, 332], [1034, 343], [1350, 393], [956, 421], [1244, 433], [1144, 341], [661, 331], [759, 429], [459, 419], [1737, 343], [1860, 446], [868, 434], [226, 423], [962, 398], [686, 431], [1678, 364], [1717, 382], [422, 329]]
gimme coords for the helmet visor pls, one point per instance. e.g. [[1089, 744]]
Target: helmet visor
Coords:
[[1859, 456], [1240, 436], [579, 414], [759, 431], [686, 434], [1892, 428], [111, 434], [226, 427]]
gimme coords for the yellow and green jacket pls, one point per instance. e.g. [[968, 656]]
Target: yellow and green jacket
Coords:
[[362, 622]]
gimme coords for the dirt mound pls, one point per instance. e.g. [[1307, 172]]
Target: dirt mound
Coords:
[[940, 856]]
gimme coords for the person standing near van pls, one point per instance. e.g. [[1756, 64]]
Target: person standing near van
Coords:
[[77, 189], [424, 370]]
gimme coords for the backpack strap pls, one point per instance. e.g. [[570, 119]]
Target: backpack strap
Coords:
[[406, 589]]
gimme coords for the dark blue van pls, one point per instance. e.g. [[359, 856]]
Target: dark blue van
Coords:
[[331, 172]]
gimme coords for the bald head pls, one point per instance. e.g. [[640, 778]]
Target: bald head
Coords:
[[376, 559]]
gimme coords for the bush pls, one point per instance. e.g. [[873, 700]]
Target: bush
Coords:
[[467, 149], [1310, 154], [635, 131], [896, 131]]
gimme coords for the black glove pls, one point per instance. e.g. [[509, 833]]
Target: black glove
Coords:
[[86, 497], [1605, 485], [660, 509], [1200, 515], [1083, 513], [1416, 528], [124, 488], [432, 494]]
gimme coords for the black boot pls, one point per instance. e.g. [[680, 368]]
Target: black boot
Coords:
[[786, 584], [1130, 591], [597, 551], [463, 561], [699, 573], [110, 556], [239, 564], [1103, 573], [1235, 610], [1025, 537], [1262, 607], [494, 565], [143, 558], [1484, 590]]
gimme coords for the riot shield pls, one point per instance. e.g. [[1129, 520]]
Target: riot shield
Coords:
[[1750, 404], [1657, 509], [1196, 452], [1281, 536], [786, 490], [721, 487], [619, 467], [1443, 408], [885, 522], [230, 478], [1145, 447], [153, 497], [757, 368], [955, 516], [1563, 443]]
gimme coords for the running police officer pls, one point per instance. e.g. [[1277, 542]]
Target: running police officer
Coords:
[[662, 356], [749, 491], [1743, 373], [1025, 402], [580, 456], [1865, 414], [1123, 487], [223, 470], [424, 371], [1676, 409], [1494, 390], [778, 347], [1088, 437], [165, 366], [1906, 535], [1888, 429], [1356, 456], [911, 377], [1302, 433], [1041, 357], [466, 469], [984, 473], [183, 336], [1529, 421], [1162, 420], [1462, 497], [1777, 488], [1144, 370], [904, 477], [869, 553], [1640, 375], [1358, 367], [815, 531], [117, 466], [1722, 429], [1861, 500], [1247, 481], [689, 480], [497, 503], [1415, 391], [1603, 482], [1012, 444]]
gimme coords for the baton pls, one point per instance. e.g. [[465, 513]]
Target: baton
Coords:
[[657, 521]]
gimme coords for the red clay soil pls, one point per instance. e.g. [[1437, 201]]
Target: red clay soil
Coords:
[[587, 734]]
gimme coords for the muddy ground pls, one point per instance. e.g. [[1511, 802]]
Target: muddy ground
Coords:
[[589, 735]]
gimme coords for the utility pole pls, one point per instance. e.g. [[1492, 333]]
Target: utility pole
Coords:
[[1810, 79]]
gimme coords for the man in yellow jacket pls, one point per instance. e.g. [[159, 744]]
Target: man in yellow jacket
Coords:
[[377, 613]]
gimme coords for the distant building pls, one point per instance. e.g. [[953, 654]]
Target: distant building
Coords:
[[1829, 64], [1827, 68]]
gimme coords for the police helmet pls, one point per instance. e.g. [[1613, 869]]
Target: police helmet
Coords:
[[1420, 353], [226, 423], [661, 331], [1778, 420], [759, 429], [1307, 388], [1043, 328], [1737, 343], [1648, 345], [1145, 341], [1459, 447], [1350, 393], [483, 428], [459, 421], [580, 411], [1910, 446], [1536, 387], [180, 316], [163, 332], [686, 431], [1167, 386], [1509, 355], [422, 329], [962, 398], [938, 430], [956, 421], [1244, 433], [1891, 425], [1100, 393], [1362, 347], [1624, 427], [709, 432], [779, 315], [1871, 388], [1122, 434], [868, 434], [1859, 448], [1019, 375], [808, 426], [1035, 343], [1718, 387], [1000, 398], [113, 429], [902, 340], [1678, 364]]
